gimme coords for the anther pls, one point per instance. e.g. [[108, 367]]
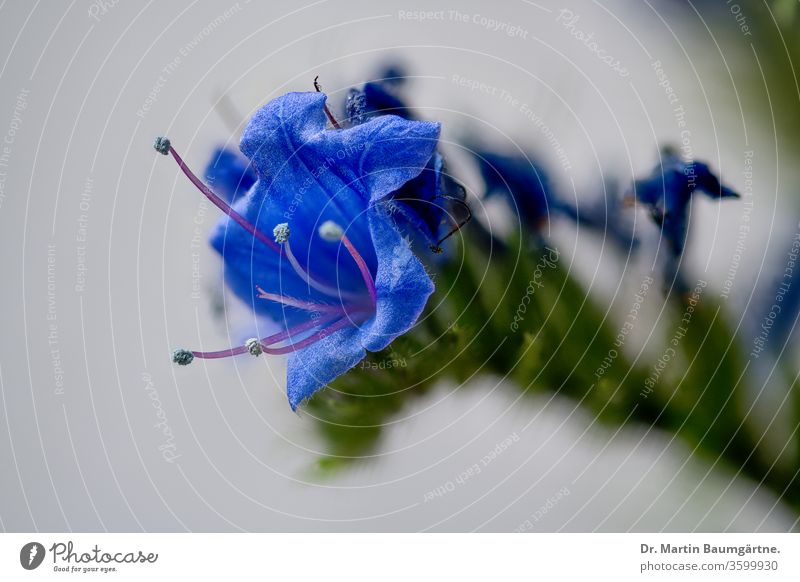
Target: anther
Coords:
[[161, 145], [281, 232], [182, 357], [330, 231], [253, 346]]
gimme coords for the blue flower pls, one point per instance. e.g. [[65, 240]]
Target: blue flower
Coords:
[[668, 191], [527, 187], [521, 181], [229, 173], [335, 272]]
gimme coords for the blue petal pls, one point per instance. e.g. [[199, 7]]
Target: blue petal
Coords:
[[280, 129], [229, 174], [289, 137], [311, 368], [393, 74], [403, 288], [709, 184], [650, 191], [402, 284], [398, 150]]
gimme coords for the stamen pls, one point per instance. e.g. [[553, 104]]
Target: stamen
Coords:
[[282, 232], [313, 338], [331, 118], [305, 305], [299, 328], [163, 146], [185, 357], [331, 232], [362, 265]]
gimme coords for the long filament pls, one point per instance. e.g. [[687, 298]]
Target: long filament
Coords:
[[362, 266], [311, 281], [222, 205], [304, 305], [265, 341], [313, 338]]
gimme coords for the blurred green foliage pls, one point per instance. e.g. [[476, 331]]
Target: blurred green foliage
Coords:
[[561, 344]]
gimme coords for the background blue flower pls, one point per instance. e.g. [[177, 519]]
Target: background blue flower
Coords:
[[380, 96], [668, 191], [527, 187]]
